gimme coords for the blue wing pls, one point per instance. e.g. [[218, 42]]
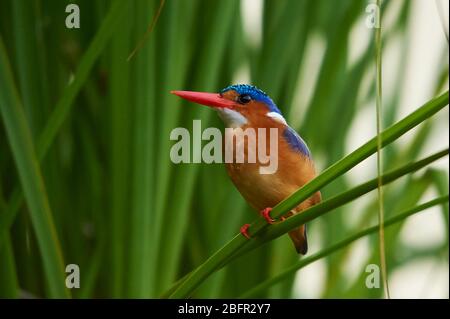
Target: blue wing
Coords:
[[295, 141]]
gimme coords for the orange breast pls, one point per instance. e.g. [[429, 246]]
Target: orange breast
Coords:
[[267, 190]]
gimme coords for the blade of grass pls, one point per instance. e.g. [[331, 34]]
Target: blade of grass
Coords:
[[172, 56], [363, 152], [286, 35], [409, 151], [28, 66], [407, 196], [341, 199], [378, 66], [9, 286], [61, 111], [141, 282], [332, 67], [32, 183], [120, 158], [342, 244], [149, 30], [91, 274], [439, 179], [279, 229]]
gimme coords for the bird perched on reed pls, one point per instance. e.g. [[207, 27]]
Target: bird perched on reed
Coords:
[[245, 106]]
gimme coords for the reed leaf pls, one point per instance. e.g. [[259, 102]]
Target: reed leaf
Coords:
[[20, 140], [332, 249]]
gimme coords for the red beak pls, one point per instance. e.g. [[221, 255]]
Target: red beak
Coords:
[[209, 99]]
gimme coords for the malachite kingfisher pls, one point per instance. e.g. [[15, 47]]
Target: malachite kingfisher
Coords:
[[245, 106]]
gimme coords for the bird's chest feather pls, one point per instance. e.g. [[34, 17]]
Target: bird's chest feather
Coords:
[[267, 190]]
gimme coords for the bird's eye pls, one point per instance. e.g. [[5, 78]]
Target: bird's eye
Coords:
[[244, 98]]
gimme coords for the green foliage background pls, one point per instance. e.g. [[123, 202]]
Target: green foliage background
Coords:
[[85, 173]]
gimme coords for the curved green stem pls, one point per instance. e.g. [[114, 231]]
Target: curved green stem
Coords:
[[328, 205], [334, 248], [280, 229]]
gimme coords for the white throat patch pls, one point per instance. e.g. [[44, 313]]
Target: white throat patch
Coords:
[[277, 117], [231, 118]]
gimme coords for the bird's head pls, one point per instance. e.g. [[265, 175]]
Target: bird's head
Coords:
[[238, 105]]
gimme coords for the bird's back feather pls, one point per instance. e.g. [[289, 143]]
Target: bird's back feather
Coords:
[[295, 141]]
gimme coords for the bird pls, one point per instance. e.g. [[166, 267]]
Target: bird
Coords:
[[246, 106]]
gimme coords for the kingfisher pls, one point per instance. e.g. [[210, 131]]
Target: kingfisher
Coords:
[[245, 106]]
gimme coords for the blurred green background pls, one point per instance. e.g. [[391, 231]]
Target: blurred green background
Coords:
[[110, 200]]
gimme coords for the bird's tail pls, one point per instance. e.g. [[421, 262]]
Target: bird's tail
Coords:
[[298, 237]]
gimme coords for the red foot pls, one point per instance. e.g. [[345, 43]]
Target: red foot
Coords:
[[266, 214], [244, 230]]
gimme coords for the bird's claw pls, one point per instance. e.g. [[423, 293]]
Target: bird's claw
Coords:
[[266, 214], [244, 231]]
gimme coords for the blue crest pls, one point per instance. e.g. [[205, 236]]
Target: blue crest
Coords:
[[255, 93]]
